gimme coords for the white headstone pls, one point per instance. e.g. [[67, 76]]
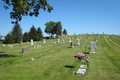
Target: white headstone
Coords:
[[32, 59], [69, 40], [31, 42], [78, 43], [81, 71], [3, 45], [92, 48], [11, 45], [57, 41], [43, 41], [83, 66]]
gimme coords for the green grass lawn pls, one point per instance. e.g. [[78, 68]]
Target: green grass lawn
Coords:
[[58, 63]]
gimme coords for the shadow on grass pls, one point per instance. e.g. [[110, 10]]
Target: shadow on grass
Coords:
[[69, 66], [86, 52], [6, 55], [2, 52]]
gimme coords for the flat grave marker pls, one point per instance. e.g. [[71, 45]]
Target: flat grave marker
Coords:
[[81, 72]]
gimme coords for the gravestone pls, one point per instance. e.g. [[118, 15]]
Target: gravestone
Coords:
[[83, 66], [3, 45], [81, 71], [31, 42], [57, 41], [11, 45], [71, 45], [21, 44], [32, 59], [78, 43], [69, 40], [25, 50], [43, 41], [92, 48], [8, 45], [63, 40], [85, 39]]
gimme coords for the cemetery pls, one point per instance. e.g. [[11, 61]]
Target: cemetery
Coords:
[[54, 59]]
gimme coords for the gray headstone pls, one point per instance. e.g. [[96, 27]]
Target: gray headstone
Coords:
[[25, 50], [92, 48]]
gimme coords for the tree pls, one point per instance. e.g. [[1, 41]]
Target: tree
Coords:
[[33, 33], [25, 7], [0, 37], [64, 32], [50, 27], [58, 29], [39, 34], [17, 33], [8, 38], [26, 37]]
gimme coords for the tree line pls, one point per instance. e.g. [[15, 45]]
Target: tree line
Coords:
[[15, 36]]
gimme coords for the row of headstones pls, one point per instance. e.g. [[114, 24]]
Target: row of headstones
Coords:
[[83, 71], [82, 68], [8, 45]]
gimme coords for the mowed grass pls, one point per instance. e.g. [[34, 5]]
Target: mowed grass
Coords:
[[58, 63]]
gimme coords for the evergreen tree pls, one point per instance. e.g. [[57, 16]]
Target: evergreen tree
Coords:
[[8, 38], [17, 33], [33, 33], [64, 32], [39, 34], [25, 37]]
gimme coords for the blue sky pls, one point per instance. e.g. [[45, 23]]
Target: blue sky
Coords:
[[80, 16]]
